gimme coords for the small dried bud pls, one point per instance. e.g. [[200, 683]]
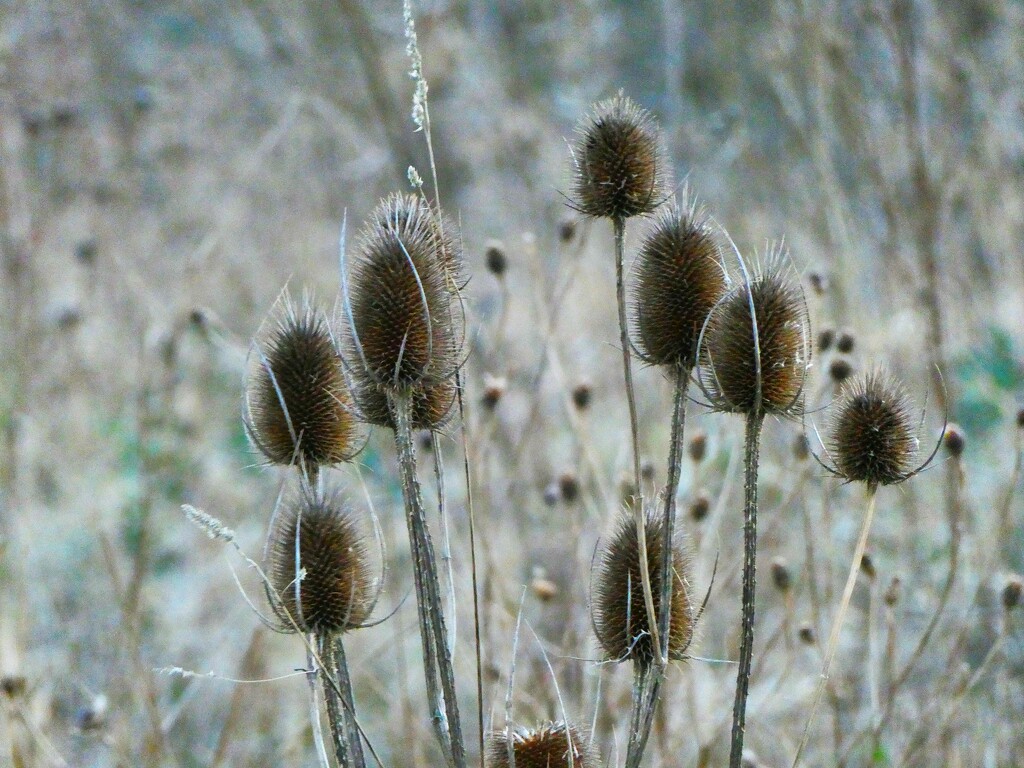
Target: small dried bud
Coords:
[[620, 165], [845, 343], [819, 282], [954, 440], [13, 686], [569, 487], [495, 259], [867, 566], [807, 634], [698, 447], [319, 566], [581, 394], [543, 589], [1012, 590], [494, 388], [781, 575], [620, 619], [546, 747], [566, 230], [801, 447], [826, 338], [840, 370], [893, 592], [700, 507]]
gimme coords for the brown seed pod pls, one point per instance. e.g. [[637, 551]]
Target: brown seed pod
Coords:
[[620, 165], [872, 437], [619, 615], [840, 369], [581, 395], [680, 278], [698, 447], [700, 508], [954, 440], [733, 376], [495, 258], [782, 576], [1013, 587], [405, 329], [431, 405], [318, 535], [297, 404], [545, 747]]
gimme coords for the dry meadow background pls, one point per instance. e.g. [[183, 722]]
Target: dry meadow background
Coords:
[[167, 167]]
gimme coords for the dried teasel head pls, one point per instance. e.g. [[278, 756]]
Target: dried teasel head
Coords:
[[319, 566], [756, 345], [298, 407], [402, 298], [619, 614], [620, 165], [872, 436], [680, 277], [553, 745]]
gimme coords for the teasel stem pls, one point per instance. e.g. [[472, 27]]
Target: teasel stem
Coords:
[[348, 746], [837, 625], [627, 369], [739, 710], [648, 678], [312, 670], [436, 654]]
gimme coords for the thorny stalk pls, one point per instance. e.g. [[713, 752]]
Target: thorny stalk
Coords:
[[739, 710], [436, 654], [340, 704]]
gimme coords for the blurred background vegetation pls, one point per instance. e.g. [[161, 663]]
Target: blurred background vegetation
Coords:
[[167, 167]]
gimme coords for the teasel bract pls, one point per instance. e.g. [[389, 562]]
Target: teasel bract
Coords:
[[872, 439], [621, 171], [754, 353], [321, 583], [401, 299], [298, 407], [552, 745]]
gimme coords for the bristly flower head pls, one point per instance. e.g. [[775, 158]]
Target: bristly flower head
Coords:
[[297, 403], [319, 566], [619, 614], [872, 436], [546, 747], [680, 278], [756, 345], [402, 298], [620, 165]]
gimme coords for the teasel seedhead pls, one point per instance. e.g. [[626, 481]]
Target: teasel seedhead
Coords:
[[872, 435], [747, 366], [548, 746], [619, 616], [319, 566], [620, 164], [298, 407], [402, 298], [680, 277]]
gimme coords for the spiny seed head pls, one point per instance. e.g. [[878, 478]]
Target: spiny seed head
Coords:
[[867, 566], [954, 440], [1013, 588], [845, 342], [872, 437], [545, 747], [698, 447], [700, 507], [494, 390], [729, 357], [404, 282], [807, 634], [296, 392], [581, 395], [680, 278], [431, 405], [825, 339], [566, 230], [316, 535], [782, 577], [569, 487], [620, 616], [620, 165], [494, 257], [840, 369]]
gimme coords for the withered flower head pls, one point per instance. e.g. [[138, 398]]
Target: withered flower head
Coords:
[[546, 747], [406, 329], [756, 346], [619, 612], [620, 165], [297, 404], [872, 438], [319, 566], [680, 278]]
